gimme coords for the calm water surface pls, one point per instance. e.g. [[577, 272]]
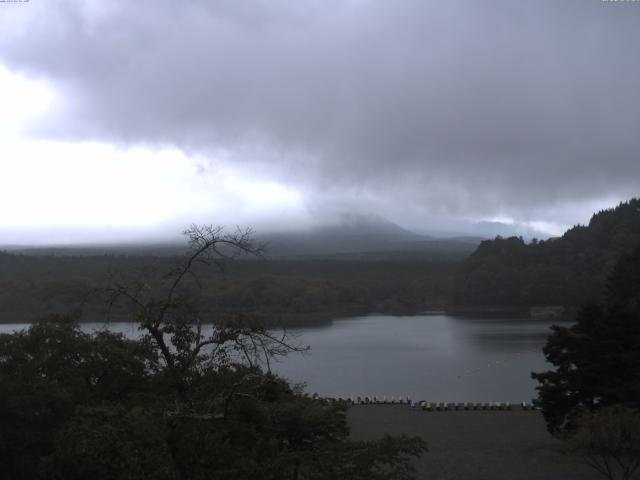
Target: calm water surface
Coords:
[[433, 357]]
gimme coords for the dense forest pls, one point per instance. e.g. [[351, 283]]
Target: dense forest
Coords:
[[567, 271], [507, 274], [277, 291]]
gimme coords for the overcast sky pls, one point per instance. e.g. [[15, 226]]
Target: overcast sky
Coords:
[[123, 119]]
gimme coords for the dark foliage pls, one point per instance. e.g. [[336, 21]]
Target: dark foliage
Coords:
[[49, 371], [570, 270], [177, 404], [597, 360], [285, 292], [77, 406]]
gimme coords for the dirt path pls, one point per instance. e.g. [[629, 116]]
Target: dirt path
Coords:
[[474, 445]]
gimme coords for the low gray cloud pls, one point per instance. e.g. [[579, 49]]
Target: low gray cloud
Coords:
[[418, 109]]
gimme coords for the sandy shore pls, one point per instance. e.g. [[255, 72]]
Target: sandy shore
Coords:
[[474, 445]]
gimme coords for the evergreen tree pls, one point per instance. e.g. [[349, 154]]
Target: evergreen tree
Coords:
[[597, 359]]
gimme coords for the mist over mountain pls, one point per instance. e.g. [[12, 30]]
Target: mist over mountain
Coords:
[[351, 233], [449, 120], [484, 230], [347, 234], [367, 236]]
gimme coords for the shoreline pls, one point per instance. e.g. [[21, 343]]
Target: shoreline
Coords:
[[307, 319], [530, 312]]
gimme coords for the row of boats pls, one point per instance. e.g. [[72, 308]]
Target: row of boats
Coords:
[[442, 406], [438, 406]]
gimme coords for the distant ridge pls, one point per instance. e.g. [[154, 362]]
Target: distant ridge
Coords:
[[354, 224], [350, 236], [363, 235]]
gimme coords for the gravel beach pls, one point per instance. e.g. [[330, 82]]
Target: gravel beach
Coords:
[[474, 445]]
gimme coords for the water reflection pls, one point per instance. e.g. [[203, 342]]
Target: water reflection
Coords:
[[434, 357]]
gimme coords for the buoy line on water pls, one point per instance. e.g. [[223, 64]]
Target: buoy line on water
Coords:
[[504, 360]]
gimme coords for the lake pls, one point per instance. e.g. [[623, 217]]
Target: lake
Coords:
[[432, 357]]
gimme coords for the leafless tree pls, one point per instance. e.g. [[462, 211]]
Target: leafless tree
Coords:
[[608, 441], [175, 323]]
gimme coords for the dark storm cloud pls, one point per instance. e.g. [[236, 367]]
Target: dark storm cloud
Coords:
[[451, 107]]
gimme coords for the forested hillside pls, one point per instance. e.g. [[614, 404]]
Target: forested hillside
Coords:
[[569, 271], [277, 291]]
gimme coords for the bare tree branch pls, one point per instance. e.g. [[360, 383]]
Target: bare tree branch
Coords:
[[173, 321]]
